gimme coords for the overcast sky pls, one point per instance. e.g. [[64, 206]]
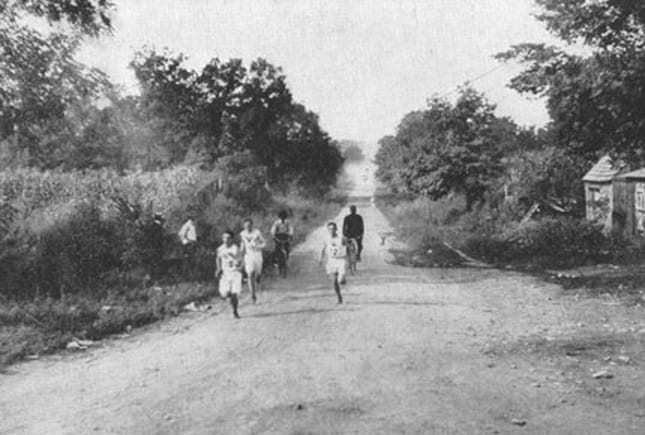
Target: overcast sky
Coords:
[[360, 64]]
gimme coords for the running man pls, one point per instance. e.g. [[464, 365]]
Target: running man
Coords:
[[252, 244], [335, 252], [229, 263]]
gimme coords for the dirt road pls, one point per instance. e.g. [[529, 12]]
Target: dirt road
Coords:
[[411, 351]]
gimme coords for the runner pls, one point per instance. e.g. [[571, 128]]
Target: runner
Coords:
[[335, 251], [282, 232], [228, 270], [252, 244]]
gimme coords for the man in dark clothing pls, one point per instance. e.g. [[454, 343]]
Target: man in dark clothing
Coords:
[[353, 229], [155, 235]]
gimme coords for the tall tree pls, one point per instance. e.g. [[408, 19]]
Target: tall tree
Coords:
[[597, 102], [90, 17], [447, 149], [39, 78], [228, 109]]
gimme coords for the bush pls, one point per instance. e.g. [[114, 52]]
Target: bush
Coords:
[[493, 233], [547, 243], [74, 255]]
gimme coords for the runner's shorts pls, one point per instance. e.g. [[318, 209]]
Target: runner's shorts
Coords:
[[230, 283], [336, 265], [253, 263]]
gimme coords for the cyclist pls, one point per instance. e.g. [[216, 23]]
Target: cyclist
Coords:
[[282, 232]]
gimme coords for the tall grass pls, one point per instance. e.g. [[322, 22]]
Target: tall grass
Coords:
[[37, 195]]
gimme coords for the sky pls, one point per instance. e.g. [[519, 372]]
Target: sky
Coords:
[[360, 64]]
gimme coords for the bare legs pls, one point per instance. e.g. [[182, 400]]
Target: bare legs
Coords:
[[336, 281], [254, 285], [234, 304]]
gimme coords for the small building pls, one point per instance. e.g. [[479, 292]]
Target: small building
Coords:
[[616, 200]]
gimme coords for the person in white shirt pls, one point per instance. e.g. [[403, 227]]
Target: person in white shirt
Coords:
[[228, 270], [188, 238], [252, 244], [335, 252], [188, 232]]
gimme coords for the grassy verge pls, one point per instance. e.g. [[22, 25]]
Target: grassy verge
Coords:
[[46, 325], [571, 252], [35, 326], [421, 225]]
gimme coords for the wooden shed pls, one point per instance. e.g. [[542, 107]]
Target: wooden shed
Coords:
[[599, 196], [628, 214]]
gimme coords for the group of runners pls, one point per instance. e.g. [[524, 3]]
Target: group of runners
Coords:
[[233, 260]]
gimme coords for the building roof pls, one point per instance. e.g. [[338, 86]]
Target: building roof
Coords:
[[637, 174], [601, 172]]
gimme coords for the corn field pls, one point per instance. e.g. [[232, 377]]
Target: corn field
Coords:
[[24, 192]]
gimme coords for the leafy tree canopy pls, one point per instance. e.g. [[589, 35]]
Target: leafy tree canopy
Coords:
[[227, 108], [447, 148], [90, 17], [596, 102], [39, 79]]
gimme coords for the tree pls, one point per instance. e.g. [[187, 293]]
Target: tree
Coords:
[[87, 16], [447, 149], [597, 102], [227, 108], [352, 150], [39, 78]]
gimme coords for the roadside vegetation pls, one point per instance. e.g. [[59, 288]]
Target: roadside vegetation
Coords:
[[457, 172], [85, 171]]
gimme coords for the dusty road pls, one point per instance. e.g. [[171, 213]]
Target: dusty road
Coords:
[[411, 351]]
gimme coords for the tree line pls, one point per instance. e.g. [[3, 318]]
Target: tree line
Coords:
[[57, 113], [596, 103]]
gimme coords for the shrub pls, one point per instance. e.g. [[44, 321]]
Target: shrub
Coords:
[[549, 242], [493, 234], [74, 255]]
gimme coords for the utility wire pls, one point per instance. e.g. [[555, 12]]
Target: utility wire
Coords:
[[474, 79]]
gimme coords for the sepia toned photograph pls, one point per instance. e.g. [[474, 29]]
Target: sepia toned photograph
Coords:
[[322, 217]]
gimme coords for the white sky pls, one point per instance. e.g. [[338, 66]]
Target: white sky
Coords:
[[361, 65]]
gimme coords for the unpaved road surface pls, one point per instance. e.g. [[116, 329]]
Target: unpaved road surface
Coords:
[[411, 351]]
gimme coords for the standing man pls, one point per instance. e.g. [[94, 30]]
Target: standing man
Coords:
[[335, 252], [188, 238], [228, 270], [252, 244], [353, 228], [155, 238]]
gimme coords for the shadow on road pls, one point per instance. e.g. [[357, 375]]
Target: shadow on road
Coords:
[[403, 303], [295, 312]]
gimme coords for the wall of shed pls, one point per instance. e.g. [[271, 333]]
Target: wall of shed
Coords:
[[623, 208], [599, 209]]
